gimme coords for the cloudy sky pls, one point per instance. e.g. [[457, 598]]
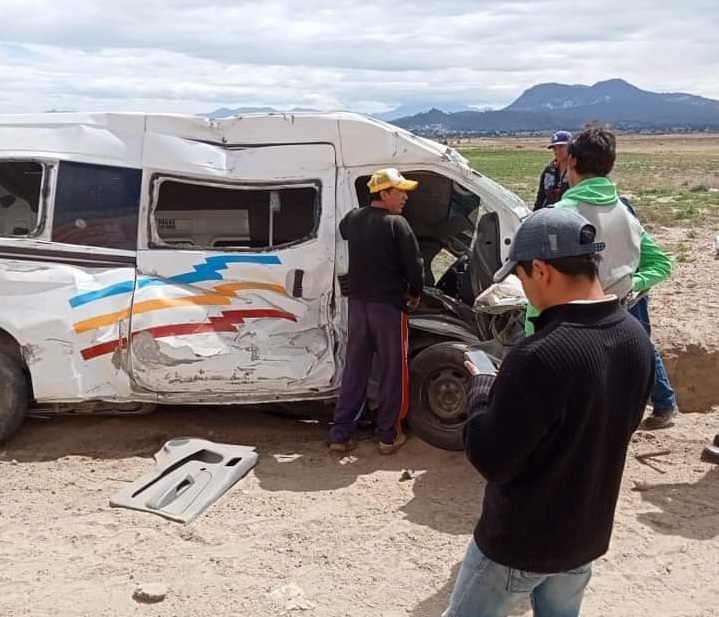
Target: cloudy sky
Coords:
[[369, 55]]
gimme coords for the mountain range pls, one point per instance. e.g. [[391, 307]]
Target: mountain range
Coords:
[[402, 111], [549, 106]]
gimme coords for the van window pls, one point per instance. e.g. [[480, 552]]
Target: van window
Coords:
[[211, 216], [97, 205], [20, 188]]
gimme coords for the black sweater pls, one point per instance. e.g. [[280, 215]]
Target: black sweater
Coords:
[[384, 258], [552, 185], [550, 434]]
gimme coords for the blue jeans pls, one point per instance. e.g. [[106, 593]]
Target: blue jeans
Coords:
[[486, 589], [663, 396]]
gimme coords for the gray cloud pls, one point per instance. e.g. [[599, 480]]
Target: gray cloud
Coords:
[[178, 55]]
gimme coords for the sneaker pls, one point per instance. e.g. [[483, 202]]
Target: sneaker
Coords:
[[660, 419], [342, 447], [391, 448], [711, 455]]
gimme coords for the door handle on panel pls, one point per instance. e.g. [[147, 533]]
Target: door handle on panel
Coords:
[[297, 283]]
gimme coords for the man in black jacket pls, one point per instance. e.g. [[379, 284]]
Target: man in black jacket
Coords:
[[386, 277], [554, 181], [550, 431]]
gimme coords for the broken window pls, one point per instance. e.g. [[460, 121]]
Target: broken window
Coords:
[[212, 216], [20, 189], [97, 205], [442, 214]]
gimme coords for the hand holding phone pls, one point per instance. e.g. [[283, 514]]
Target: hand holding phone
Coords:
[[479, 363]]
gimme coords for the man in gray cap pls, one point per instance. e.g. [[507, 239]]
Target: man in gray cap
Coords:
[[550, 431]]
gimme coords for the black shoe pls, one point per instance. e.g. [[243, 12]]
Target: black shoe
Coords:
[[660, 419], [716, 440], [711, 454]]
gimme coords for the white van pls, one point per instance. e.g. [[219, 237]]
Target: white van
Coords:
[[175, 259]]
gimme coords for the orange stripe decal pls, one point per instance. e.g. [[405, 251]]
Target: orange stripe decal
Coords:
[[221, 297], [148, 306], [100, 321], [229, 289]]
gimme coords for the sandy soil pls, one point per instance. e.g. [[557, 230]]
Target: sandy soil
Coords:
[[308, 534], [685, 314]]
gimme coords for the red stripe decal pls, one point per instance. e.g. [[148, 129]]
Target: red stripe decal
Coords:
[[227, 322]]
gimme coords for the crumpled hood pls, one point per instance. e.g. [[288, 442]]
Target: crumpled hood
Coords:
[[593, 191]]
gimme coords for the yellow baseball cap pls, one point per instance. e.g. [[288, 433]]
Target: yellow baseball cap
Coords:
[[389, 178]]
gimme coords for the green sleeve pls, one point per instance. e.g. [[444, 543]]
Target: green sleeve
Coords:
[[655, 265], [528, 325]]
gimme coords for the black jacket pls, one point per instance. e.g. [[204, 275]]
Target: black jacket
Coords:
[[550, 434], [385, 262], [552, 185]]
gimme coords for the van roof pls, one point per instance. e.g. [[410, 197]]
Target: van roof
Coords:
[[118, 137]]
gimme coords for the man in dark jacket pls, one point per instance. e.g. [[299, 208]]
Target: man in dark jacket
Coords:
[[554, 180], [386, 277], [550, 431]]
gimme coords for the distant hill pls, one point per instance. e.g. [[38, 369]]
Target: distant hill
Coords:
[[417, 108], [399, 112], [551, 106], [226, 112]]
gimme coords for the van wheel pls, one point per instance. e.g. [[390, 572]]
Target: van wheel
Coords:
[[439, 401], [14, 396]]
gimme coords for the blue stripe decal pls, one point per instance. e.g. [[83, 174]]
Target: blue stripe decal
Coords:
[[207, 271]]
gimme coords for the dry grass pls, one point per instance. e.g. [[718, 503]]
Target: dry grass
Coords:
[[672, 180]]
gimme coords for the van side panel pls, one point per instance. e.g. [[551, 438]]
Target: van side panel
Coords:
[[235, 271], [44, 309]]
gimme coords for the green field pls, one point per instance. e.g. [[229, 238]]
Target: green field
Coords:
[[667, 187]]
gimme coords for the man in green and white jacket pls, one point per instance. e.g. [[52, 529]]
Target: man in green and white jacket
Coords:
[[632, 262]]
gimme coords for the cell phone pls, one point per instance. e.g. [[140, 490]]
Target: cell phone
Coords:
[[481, 360]]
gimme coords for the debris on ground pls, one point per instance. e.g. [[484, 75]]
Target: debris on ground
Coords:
[[407, 474], [291, 598], [150, 593]]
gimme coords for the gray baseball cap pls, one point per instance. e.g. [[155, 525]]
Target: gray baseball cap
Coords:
[[550, 233]]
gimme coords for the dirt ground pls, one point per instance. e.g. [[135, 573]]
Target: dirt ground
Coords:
[[308, 534]]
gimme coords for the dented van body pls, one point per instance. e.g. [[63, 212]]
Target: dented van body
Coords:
[[178, 259]]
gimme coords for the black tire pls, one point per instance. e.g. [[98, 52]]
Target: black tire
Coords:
[[439, 402], [14, 396]]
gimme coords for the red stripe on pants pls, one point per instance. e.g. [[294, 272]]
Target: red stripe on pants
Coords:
[[404, 406]]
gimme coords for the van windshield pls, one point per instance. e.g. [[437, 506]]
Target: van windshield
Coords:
[[442, 213]]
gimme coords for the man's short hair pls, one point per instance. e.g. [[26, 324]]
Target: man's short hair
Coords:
[[594, 150], [581, 266]]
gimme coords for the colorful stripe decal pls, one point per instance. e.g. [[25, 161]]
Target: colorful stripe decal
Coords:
[[227, 322], [221, 297], [207, 271]]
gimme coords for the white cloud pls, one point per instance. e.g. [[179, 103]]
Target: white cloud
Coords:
[[177, 55]]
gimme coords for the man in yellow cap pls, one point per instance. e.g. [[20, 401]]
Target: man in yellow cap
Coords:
[[386, 276]]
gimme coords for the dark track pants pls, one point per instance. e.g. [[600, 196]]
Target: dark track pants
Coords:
[[385, 329]]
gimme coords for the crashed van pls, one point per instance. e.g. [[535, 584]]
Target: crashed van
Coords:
[[166, 259]]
